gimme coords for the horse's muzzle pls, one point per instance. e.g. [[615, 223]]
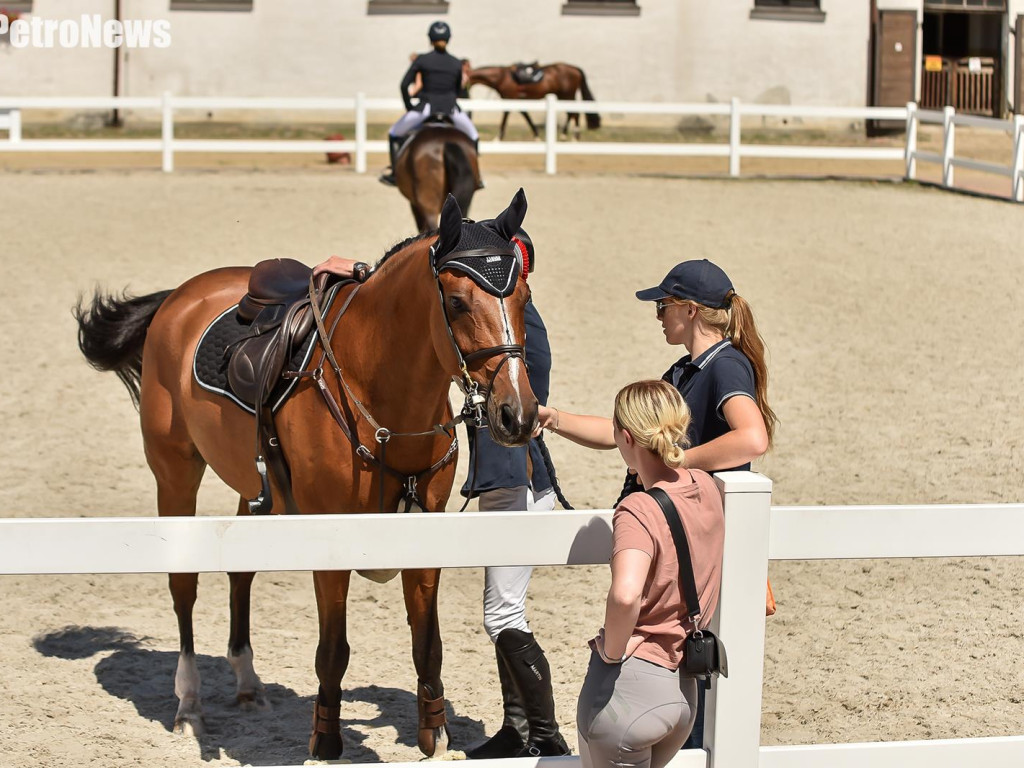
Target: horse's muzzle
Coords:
[[511, 423]]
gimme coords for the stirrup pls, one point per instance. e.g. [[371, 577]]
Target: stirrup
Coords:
[[388, 179]]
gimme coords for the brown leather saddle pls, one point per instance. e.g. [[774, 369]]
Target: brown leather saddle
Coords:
[[278, 306]]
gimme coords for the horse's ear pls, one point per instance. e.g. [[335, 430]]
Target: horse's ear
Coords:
[[508, 222], [450, 230]]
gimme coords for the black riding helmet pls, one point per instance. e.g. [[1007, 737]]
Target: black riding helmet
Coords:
[[439, 31]]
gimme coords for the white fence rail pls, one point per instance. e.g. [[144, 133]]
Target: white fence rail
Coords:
[[949, 120], [755, 533], [167, 145]]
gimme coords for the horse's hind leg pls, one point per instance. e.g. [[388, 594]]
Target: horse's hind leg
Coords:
[[420, 588], [332, 654], [178, 469], [249, 693], [177, 499]]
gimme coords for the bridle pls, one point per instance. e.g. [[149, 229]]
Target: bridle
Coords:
[[475, 399]]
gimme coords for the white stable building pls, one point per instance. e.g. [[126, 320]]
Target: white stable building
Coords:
[[809, 52]]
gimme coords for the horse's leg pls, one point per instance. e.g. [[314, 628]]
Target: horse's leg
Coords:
[[178, 472], [249, 692], [533, 127], [332, 654], [501, 129], [424, 221], [420, 588]]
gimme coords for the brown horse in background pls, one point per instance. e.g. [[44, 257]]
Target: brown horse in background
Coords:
[[401, 338], [437, 161], [563, 80]]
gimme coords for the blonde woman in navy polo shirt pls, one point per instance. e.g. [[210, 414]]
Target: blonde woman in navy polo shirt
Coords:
[[723, 379]]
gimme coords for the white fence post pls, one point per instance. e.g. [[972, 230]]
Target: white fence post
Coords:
[[1018, 158], [550, 134], [948, 145], [360, 132], [167, 132], [910, 161], [732, 718], [14, 132], [734, 137]]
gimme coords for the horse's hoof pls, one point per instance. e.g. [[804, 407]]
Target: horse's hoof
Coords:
[[433, 742], [189, 725], [253, 701]]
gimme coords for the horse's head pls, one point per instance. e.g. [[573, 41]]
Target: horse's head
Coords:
[[482, 329]]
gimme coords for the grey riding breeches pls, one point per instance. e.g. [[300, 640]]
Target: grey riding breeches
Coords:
[[634, 714]]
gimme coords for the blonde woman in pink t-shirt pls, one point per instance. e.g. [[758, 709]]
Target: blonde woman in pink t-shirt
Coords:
[[635, 708]]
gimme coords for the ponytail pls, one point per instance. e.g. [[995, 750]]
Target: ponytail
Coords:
[[746, 339]]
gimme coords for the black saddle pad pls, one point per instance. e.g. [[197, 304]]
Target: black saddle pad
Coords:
[[210, 365]]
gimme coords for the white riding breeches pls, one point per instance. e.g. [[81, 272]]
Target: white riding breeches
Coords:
[[412, 120], [505, 586]]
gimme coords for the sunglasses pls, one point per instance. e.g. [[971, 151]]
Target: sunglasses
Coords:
[[660, 306]]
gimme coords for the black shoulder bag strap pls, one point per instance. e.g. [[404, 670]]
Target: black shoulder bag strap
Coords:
[[686, 579]]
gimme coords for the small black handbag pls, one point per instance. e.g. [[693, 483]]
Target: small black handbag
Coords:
[[703, 652]]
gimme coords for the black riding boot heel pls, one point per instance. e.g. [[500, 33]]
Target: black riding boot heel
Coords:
[[532, 676], [394, 145], [511, 737]]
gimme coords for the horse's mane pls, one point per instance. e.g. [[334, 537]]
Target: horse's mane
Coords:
[[402, 246]]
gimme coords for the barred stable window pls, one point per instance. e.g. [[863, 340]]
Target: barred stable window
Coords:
[[211, 5], [600, 8], [408, 6], [16, 7], [788, 10]]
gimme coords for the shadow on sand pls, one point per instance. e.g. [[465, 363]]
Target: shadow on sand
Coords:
[[277, 735]]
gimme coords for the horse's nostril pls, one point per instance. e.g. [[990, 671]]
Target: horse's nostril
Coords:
[[508, 419]]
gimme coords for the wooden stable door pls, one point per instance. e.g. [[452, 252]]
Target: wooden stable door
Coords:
[[1018, 67], [895, 62]]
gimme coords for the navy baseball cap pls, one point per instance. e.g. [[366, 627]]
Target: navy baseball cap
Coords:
[[439, 31], [698, 280]]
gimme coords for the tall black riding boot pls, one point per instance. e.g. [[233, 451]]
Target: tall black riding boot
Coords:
[[394, 145], [511, 738], [532, 677]]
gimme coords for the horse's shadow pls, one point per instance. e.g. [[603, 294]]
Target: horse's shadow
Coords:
[[272, 737]]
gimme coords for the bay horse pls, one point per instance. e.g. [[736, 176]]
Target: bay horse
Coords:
[[439, 160], [422, 318], [563, 80]]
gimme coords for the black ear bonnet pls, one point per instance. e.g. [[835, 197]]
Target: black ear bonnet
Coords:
[[484, 250]]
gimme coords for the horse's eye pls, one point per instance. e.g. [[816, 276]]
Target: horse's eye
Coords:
[[456, 304]]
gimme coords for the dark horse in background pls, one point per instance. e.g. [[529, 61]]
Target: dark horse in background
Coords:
[[563, 80], [437, 161], [402, 335]]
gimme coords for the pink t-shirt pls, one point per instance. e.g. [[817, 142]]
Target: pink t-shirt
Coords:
[[640, 524]]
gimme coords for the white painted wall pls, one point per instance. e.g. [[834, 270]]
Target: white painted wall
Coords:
[[675, 50]]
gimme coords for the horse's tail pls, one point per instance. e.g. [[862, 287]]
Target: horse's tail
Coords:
[[111, 332], [593, 118], [459, 173]]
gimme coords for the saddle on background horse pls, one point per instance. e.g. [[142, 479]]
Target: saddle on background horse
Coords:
[[527, 74]]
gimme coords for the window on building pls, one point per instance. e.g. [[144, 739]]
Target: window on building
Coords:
[[211, 5], [435, 7], [600, 8], [16, 7], [788, 10]]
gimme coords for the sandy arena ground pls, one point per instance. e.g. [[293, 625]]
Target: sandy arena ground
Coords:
[[895, 325]]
